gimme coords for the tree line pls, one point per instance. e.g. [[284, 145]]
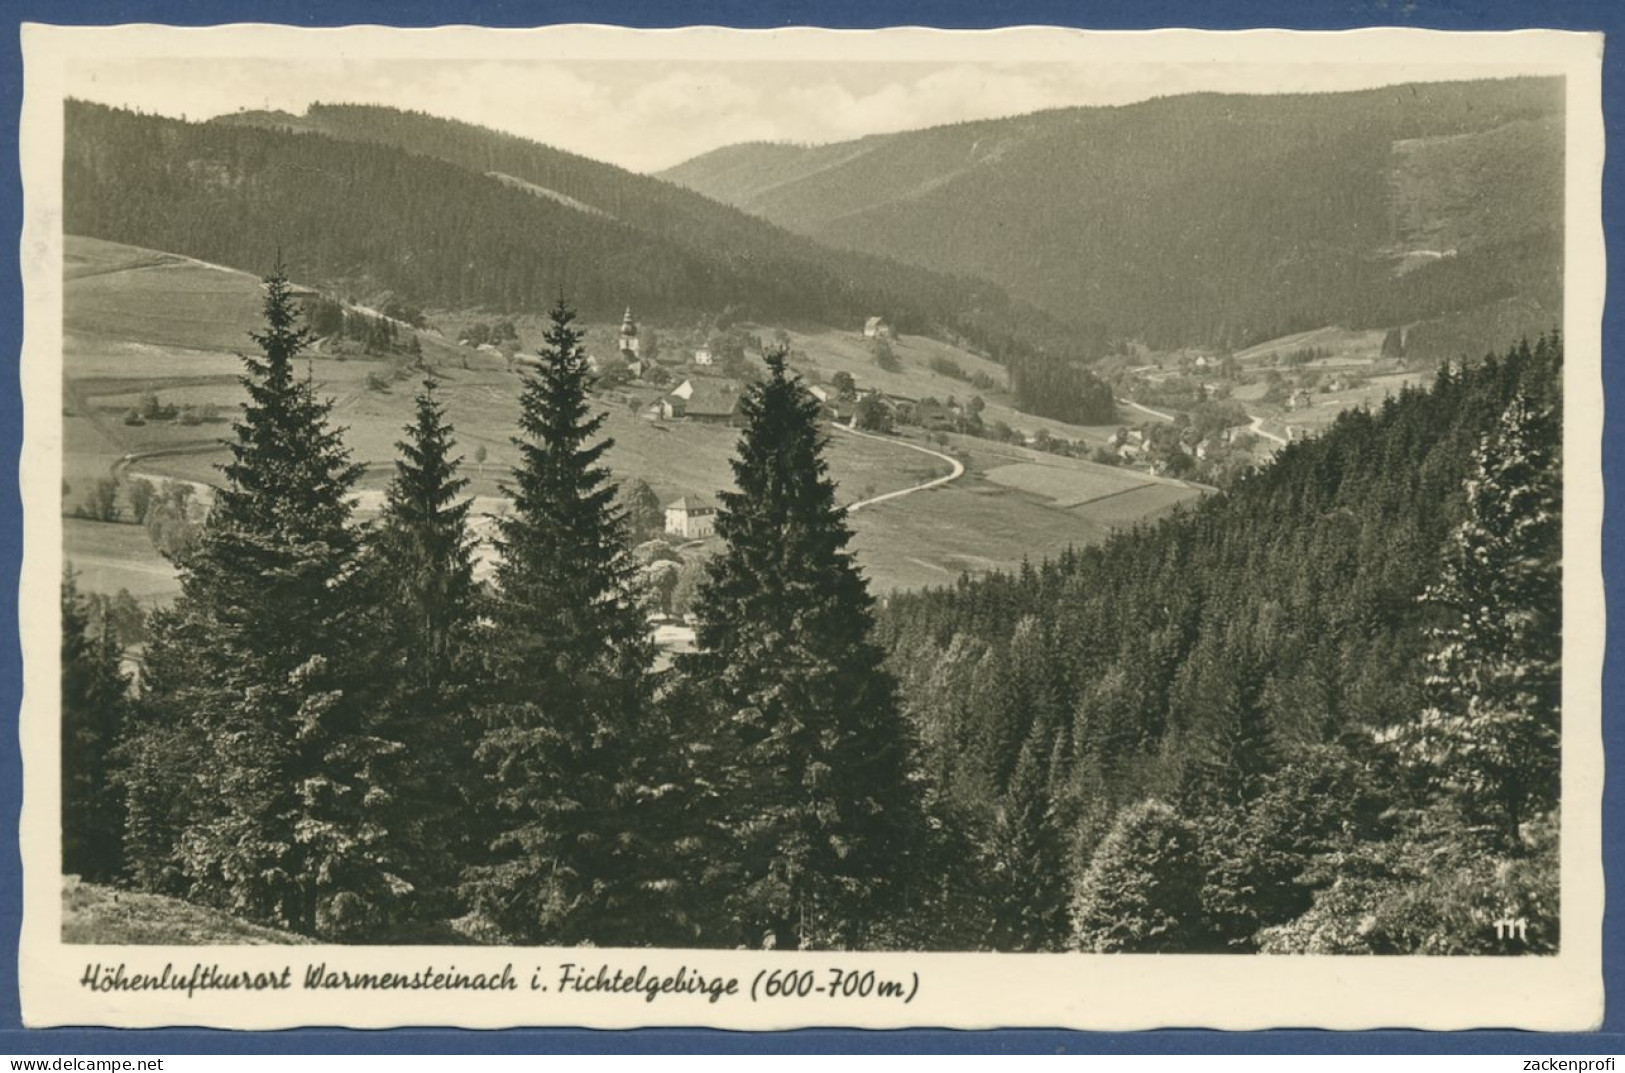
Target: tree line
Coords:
[[341, 732]]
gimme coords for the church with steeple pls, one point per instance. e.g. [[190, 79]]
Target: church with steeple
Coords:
[[629, 337]]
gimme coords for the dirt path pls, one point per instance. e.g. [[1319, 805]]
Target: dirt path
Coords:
[[1257, 428], [1158, 414], [958, 469]]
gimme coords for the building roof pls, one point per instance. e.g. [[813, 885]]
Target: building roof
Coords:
[[690, 504], [874, 322], [713, 399]]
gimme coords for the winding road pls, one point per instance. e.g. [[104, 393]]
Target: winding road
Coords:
[[958, 469], [1257, 428]]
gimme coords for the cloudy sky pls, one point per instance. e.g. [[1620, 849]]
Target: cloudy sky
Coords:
[[651, 114]]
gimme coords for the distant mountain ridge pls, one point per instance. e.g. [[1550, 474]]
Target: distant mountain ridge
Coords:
[[1210, 219], [446, 214]]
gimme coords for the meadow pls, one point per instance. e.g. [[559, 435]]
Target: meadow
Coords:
[[109, 556]]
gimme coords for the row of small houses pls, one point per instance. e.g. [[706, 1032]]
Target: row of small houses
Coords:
[[716, 400]]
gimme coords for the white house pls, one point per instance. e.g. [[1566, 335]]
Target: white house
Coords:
[[876, 328], [702, 356], [692, 518]]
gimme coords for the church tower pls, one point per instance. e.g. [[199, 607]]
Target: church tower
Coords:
[[629, 336]]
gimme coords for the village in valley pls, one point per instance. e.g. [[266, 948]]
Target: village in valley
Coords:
[[903, 412]]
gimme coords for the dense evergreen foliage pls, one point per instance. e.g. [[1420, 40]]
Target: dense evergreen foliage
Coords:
[[1061, 390], [419, 575], [94, 708], [1383, 599], [258, 671], [572, 735], [812, 802]]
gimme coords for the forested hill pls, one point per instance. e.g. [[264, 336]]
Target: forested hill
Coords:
[[378, 200], [1208, 219], [1293, 664]]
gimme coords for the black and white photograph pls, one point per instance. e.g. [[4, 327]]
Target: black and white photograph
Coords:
[[709, 502]]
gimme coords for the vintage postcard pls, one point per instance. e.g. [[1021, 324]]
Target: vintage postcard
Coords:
[[758, 529]]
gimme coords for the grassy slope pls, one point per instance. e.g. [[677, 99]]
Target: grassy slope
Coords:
[[97, 914], [110, 556], [116, 347]]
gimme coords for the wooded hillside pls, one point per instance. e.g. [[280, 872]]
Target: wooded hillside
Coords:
[[1208, 219], [371, 200]]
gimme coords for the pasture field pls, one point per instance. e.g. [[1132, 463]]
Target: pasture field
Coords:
[[1346, 345], [142, 296], [1146, 503], [1327, 407], [977, 525], [1065, 486], [109, 556]]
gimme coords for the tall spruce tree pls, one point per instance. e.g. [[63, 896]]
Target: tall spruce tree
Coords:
[[811, 759], [1026, 855], [572, 740], [260, 660], [94, 704], [1234, 751], [421, 589], [1489, 737]]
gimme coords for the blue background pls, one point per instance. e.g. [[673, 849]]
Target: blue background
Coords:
[[1603, 15]]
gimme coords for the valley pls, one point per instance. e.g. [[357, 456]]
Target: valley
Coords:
[[142, 324]]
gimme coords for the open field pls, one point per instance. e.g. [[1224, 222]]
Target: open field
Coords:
[[1346, 346], [1326, 407], [1065, 486], [109, 556], [977, 524], [95, 914]]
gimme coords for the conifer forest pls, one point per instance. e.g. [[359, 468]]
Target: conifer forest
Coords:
[[1316, 711]]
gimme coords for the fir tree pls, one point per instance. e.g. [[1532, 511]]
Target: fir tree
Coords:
[[1489, 737], [1142, 892], [1236, 752], [422, 591], [1027, 870], [572, 740], [811, 762], [262, 658], [93, 714]]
